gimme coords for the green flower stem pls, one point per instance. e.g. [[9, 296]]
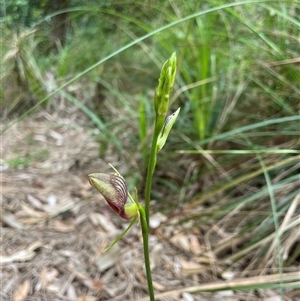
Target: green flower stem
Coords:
[[161, 106], [145, 233], [151, 168], [144, 213]]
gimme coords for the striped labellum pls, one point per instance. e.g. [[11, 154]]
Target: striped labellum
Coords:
[[114, 189]]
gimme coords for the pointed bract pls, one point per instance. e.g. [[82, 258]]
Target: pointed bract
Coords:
[[170, 120]]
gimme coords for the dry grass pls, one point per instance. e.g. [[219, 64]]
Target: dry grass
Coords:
[[54, 228]]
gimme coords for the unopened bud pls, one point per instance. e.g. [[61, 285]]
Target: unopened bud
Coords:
[[165, 85]]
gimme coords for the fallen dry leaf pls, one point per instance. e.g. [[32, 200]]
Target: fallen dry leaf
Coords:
[[181, 241], [273, 298], [36, 203], [62, 227], [63, 206], [47, 276], [190, 267], [22, 291], [97, 284], [10, 220], [158, 286], [228, 275], [187, 297], [156, 255], [156, 220], [98, 219], [23, 255], [108, 259], [86, 298], [195, 245], [28, 211], [71, 293]]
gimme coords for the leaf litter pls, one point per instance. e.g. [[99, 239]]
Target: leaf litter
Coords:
[[54, 227]]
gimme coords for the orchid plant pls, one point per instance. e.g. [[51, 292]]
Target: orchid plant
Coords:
[[113, 187]]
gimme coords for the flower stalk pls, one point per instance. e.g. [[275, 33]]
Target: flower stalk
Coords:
[[161, 106], [113, 186], [162, 129]]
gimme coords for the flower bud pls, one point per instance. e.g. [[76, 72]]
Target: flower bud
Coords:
[[114, 189], [165, 85]]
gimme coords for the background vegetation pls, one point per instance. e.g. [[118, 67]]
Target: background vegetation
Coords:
[[236, 141]]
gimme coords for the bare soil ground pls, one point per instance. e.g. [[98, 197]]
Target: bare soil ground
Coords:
[[54, 226]]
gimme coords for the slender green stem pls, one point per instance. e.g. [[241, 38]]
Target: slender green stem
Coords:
[[145, 213], [150, 171], [145, 233], [161, 104], [151, 166]]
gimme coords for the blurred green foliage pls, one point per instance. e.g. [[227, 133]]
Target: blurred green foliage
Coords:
[[20, 13]]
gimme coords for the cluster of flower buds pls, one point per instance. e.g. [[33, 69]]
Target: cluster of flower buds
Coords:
[[161, 100]]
